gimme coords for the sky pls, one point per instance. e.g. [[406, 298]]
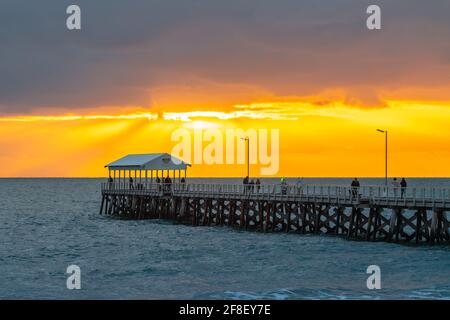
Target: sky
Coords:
[[138, 71]]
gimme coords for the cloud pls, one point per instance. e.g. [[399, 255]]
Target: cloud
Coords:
[[218, 53]]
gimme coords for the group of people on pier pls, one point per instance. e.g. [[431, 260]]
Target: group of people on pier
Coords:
[[251, 185], [402, 185], [164, 184]]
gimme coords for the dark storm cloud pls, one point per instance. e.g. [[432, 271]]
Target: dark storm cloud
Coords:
[[289, 47]]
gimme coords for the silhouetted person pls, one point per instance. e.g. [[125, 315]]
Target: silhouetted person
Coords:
[[245, 183], [284, 186], [355, 187], [110, 182], [183, 183], [258, 185], [158, 183], [130, 181], [299, 185], [168, 183], [403, 186], [251, 185]]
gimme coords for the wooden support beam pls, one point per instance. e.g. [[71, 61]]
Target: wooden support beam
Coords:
[[103, 203], [351, 222], [273, 208], [392, 225], [434, 229], [303, 209], [399, 224], [339, 213], [317, 219], [377, 223], [266, 228], [288, 212], [241, 216], [222, 212]]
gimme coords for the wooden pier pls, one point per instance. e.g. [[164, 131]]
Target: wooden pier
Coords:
[[371, 213]]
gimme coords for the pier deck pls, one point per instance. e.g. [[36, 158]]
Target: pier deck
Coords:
[[373, 213]]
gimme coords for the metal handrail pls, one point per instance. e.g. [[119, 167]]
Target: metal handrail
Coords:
[[337, 191]]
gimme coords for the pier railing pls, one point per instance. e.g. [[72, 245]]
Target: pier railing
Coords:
[[373, 193]]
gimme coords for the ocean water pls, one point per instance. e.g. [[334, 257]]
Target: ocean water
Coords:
[[48, 224]]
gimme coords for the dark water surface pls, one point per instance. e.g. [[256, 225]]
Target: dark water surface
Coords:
[[48, 224]]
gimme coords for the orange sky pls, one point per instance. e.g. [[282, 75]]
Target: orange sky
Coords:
[[332, 140], [72, 101]]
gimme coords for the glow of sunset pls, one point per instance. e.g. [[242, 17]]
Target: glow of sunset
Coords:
[[332, 140]]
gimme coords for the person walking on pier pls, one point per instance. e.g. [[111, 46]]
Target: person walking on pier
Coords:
[[403, 186]]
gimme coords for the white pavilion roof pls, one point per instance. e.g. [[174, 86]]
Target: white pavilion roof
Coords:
[[149, 161]]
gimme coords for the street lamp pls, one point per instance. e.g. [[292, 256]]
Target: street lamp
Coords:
[[247, 139], [386, 155]]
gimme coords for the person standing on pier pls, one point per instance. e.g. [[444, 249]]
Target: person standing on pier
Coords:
[[251, 186], [158, 183], [403, 186], [168, 184], [284, 186], [130, 182], [258, 185], [355, 187], [245, 183], [183, 183], [299, 185], [110, 183]]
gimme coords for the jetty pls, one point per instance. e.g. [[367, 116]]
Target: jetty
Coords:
[[371, 213]]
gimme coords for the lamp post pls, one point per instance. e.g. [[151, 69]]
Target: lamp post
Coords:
[[247, 140], [385, 154]]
